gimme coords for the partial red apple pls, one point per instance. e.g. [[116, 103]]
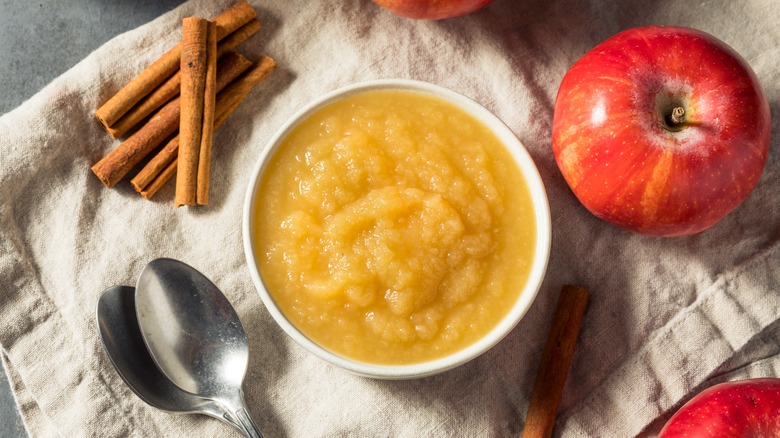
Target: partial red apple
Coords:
[[747, 408], [432, 9], [661, 130]]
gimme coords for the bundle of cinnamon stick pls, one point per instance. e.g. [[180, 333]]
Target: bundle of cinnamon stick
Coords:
[[191, 89]]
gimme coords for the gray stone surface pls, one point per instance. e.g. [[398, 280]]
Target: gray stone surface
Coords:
[[10, 424], [39, 40]]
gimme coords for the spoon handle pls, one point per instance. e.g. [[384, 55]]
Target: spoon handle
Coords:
[[249, 426]]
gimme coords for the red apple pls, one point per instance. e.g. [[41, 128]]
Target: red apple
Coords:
[[748, 408], [661, 130], [432, 9]]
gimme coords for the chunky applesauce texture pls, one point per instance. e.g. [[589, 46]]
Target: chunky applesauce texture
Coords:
[[393, 228]]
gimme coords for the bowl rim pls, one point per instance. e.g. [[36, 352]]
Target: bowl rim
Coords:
[[541, 213]]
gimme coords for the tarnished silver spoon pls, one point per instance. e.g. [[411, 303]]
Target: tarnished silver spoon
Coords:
[[194, 335]]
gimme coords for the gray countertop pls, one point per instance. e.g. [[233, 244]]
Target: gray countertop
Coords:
[[39, 41]]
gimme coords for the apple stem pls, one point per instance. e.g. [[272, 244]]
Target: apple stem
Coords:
[[677, 118]]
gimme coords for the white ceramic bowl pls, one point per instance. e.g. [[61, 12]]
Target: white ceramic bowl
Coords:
[[526, 297]]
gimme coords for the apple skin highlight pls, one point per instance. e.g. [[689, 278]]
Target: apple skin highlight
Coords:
[[747, 408], [626, 160]]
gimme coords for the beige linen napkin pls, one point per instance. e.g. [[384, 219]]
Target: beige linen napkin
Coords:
[[667, 316]]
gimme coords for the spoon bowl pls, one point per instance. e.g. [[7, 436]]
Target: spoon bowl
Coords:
[[194, 335]]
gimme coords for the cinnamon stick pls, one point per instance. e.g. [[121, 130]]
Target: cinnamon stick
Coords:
[[193, 88], [233, 94], [170, 88], [165, 66], [157, 98], [167, 155], [117, 163], [209, 107], [161, 178], [162, 167], [237, 37], [555, 362]]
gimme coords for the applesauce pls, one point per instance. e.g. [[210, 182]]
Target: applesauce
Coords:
[[391, 227]]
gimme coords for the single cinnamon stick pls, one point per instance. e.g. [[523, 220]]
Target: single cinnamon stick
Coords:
[[194, 60], [555, 362], [209, 107], [115, 165], [170, 88], [158, 171], [165, 66]]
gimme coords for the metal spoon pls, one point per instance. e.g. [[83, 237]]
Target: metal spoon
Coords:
[[122, 340], [194, 335]]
